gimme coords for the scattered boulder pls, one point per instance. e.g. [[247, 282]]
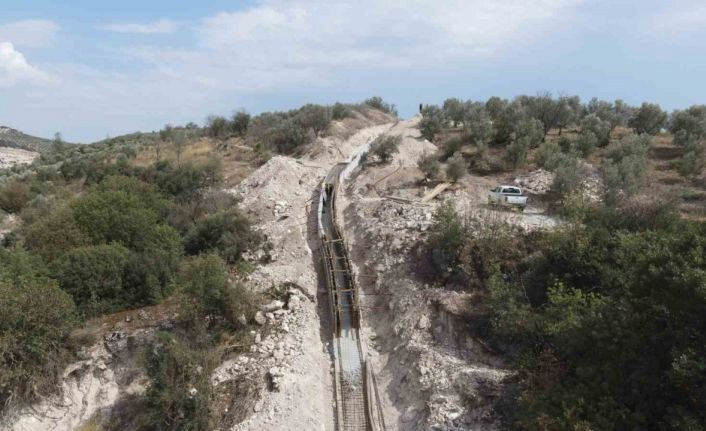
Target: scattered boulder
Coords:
[[260, 318]]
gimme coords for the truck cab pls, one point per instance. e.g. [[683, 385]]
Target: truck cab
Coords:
[[508, 196]]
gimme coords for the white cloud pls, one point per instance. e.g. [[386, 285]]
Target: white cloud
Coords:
[[288, 42], [686, 17], [162, 26], [31, 33], [14, 68]]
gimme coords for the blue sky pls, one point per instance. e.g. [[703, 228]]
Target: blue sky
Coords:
[[90, 69]]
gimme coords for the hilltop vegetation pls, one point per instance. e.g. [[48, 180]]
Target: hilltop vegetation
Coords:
[[16, 139], [604, 318], [133, 221]]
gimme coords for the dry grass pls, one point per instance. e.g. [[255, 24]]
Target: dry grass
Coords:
[[238, 159]]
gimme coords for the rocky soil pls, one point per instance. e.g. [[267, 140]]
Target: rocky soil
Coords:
[[432, 373], [10, 157]]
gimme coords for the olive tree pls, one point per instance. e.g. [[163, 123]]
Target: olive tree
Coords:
[[478, 127], [648, 118], [431, 122], [453, 110], [624, 167], [592, 123], [456, 167]]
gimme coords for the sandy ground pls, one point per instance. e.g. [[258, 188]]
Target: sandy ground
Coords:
[[15, 156]]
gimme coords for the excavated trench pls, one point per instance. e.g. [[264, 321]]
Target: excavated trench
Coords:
[[357, 405]]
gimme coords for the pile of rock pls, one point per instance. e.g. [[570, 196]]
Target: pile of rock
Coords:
[[537, 182]]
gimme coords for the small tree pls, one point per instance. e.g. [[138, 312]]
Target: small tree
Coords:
[[586, 142], [549, 155], [456, 167], [649, 118], [431, 122], [429, 164], [477, 123], [566, 176], [217, 127], [531, 130], [384, 146], [179, 142], [239, 124], [453, 110], [599, 128], [516, 155], [57, 144], [692, 161], [624, 167]]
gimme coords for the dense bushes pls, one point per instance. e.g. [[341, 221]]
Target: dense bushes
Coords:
[[14, 195], [37, 318], [227, 233], [207, 295], [604, 318], [180, 393], [93, 276]]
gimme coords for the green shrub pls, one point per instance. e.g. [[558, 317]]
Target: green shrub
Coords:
[[649, 118], [531, 131], [453, 146], [217, 127], [445, 240], [227, 233], [180, 393], [37, 318], [115, 216], [93, 276], [567, 177], [456, 167], [516, 155], [429, 164], [453, 111], [624, 167], [186, 181], [288, 137], [549, 155], [431, 122], [14, 196], [385, 146], [477, 124], [339, 111], [54, 235], [239, 124], [692, 162], [599, 128], [314, 117], [586, 143], [379, 104]]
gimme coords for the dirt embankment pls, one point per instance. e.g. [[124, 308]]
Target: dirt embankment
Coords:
[[433, 373]]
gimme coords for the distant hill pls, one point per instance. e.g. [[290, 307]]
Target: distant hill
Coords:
[[15, 139]]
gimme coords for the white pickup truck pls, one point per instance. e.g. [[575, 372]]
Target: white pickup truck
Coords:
[[507, 195]]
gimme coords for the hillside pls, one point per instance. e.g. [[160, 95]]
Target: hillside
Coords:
[[12, 138]]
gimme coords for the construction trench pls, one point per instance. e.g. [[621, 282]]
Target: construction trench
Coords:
[[357, 400]]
